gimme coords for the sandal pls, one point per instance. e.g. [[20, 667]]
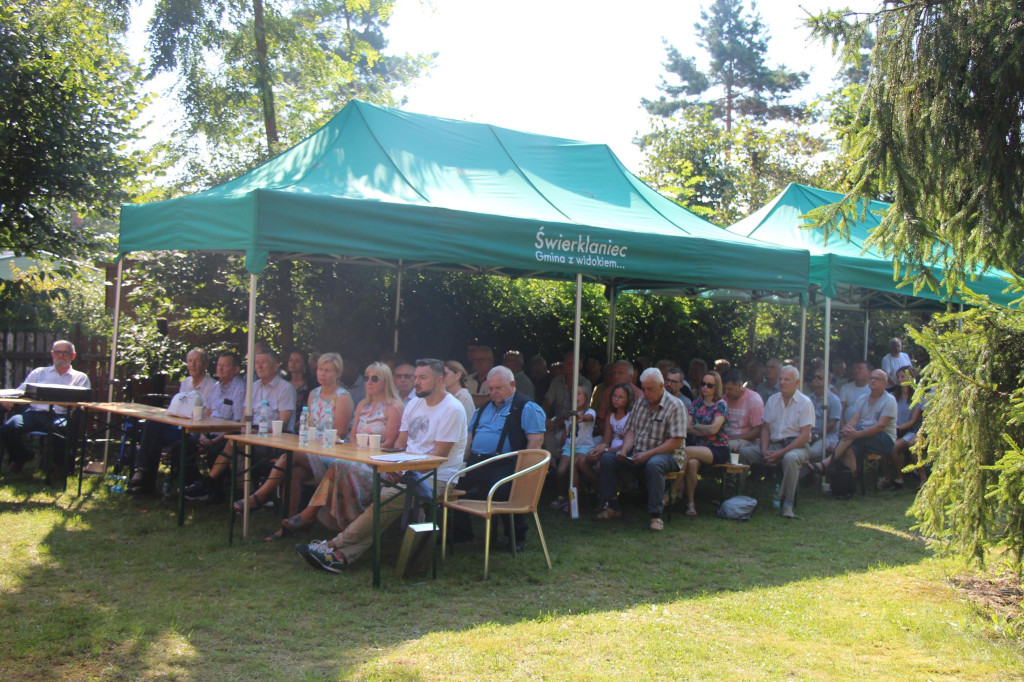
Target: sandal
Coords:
[[691, 510], [296, 524], [279, 534], [254, 504]]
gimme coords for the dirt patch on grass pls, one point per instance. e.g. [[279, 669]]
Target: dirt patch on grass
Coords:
[[998, 594]]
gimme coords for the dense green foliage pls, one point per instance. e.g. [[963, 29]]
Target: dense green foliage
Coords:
[[243, 83], [938, 132], [940, 129], [974, 423], [68, 99]]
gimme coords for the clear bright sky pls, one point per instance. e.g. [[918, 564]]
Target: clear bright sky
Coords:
[[575, 68], [566, 68]]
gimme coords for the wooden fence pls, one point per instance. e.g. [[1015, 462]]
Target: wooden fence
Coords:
[[21, 351]]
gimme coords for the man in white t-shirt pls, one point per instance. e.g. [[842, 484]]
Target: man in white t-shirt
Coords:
[[895, 360], [434, 423], [872, 428], [155, 436]]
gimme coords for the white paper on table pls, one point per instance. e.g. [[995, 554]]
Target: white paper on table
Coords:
[[398, 457]]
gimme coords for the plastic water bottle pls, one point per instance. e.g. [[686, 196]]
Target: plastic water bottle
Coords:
[[327, 425], [776, 503], [118, 486], [304, 427], [263, 420]]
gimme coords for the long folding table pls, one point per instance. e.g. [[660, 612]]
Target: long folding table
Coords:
[[379, 462], [157, 414]]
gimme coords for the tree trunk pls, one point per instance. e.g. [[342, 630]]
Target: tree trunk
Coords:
[[263, 78]]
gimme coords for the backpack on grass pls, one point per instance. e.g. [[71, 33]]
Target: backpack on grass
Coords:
[[738, 508]]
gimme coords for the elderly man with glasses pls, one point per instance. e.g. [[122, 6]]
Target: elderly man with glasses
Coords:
[[38, 417]]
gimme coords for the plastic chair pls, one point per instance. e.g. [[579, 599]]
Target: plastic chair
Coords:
[[527, 482]]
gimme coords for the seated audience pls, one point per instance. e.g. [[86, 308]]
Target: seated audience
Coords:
[[676, 384], [895, 360], [510, 421], [622, 399], [620, 373], [838, 377], [754, 372], [455, 383], [851, 392], [584, 441], [513, 359], [539, 375], [330, 397], [300, 377], [156, 436], [770, 385], [823, 441], [280, 398], [346, 488], [709, 445], [697, 369], [785, 433], [481, 360], [559, 400], [404, 378], [655, 430], [746, 412], [434, 423], [908, 421], [872, 428], [38, 417]]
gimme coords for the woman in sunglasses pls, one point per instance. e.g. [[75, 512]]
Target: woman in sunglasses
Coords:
[[345, 489], [455, 383], [709, 444]]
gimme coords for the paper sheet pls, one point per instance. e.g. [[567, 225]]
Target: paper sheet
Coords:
[[398, 457]]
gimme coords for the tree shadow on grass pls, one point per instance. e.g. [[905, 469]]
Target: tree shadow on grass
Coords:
[[116, 590]]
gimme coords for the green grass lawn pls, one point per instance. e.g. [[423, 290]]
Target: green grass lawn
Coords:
[[107, 587]]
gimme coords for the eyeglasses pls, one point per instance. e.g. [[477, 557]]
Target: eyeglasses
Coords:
[[371, 378], [875, 379], [61, 352], [817, 377], [707, 384]]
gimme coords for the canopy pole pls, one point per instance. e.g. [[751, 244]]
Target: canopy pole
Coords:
[[867, 324], [803, 339], [249, 369], [398, 306], [113, 357], [753, 324], [573, 501], [610, 353], [827, 373]]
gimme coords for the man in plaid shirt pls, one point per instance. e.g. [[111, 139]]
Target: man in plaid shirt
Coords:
[[656, 428]]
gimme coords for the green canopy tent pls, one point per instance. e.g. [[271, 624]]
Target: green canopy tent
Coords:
[[386, 187], [845, 269]]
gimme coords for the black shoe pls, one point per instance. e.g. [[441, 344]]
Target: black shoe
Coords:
[[521, 545]]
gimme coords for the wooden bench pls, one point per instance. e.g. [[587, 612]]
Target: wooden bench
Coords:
[[724, 470]]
